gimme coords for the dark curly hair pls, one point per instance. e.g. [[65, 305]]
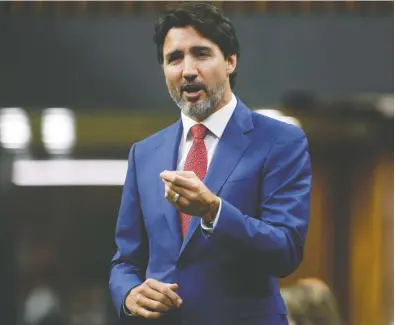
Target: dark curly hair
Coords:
[[205, 18]]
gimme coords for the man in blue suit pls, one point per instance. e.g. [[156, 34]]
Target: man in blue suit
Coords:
[[215, 207]]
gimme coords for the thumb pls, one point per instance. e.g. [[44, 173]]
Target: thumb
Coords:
[[172, 286], [186, 174]]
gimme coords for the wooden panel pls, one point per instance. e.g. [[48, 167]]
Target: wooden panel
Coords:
[[371, 244], [384, 203]]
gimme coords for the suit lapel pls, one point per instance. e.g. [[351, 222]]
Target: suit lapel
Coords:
[[167, 155], [230, 149]]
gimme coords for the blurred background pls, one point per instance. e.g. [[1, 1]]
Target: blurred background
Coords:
[[80, 83]]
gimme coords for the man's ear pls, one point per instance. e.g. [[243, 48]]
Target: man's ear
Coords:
[[231, 64]]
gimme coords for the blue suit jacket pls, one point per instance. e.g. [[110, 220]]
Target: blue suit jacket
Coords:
[[261, 171]]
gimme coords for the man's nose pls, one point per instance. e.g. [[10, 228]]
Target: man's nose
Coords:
[[190, 72]]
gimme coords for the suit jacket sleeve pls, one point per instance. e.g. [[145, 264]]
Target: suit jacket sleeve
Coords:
[[276, 235], [129, 263]]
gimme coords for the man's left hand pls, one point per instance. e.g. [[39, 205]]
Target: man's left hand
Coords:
[[195, 198]]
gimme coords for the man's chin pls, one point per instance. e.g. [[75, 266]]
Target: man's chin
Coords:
[[196, 111], [186, 105], [193, 104]]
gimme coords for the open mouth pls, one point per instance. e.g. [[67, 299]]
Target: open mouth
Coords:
[[192, 92]]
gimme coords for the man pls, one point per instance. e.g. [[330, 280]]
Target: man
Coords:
[[215, 207]]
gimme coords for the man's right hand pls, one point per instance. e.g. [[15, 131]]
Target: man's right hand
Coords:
[[152, 298]]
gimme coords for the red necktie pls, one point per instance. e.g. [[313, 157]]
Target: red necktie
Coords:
[[197, 162]]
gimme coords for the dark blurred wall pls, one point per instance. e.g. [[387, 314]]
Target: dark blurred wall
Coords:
[[8, 275], [110, 61]]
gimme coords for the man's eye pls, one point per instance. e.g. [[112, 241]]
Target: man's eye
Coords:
[[203, 53], [174, 59]]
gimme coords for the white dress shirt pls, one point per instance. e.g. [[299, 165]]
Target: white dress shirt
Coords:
[[215, 124]]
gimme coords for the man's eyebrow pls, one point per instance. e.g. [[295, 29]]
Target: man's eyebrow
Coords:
[[201, 48], [173, 54], [194, 49]]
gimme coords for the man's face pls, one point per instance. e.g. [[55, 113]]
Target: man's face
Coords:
[[196, 72]]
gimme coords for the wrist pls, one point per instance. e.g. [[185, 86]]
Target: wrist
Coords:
[[212, 212]]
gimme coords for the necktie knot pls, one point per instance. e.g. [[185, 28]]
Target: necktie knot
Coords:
[[199, 131]]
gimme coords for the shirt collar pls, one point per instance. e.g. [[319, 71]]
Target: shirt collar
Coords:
[[215, 123]]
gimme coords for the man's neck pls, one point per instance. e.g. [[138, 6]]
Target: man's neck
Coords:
[[225, 100]]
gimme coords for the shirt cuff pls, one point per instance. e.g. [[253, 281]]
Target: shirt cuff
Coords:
[[210, 228]]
